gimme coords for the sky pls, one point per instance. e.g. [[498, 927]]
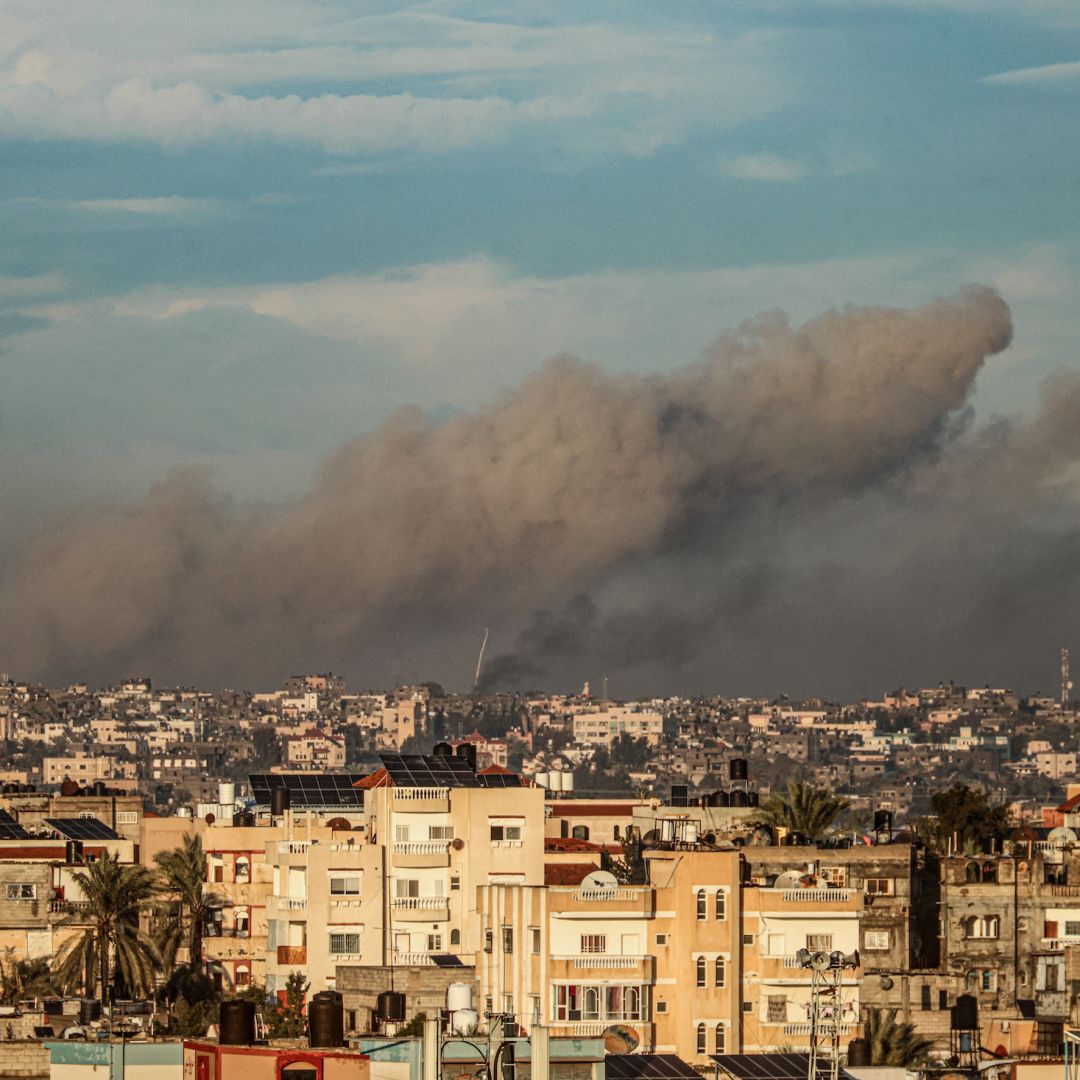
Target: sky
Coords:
[[239, 241]]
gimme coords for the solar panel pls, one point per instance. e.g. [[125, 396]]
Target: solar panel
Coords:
[[11, 830], [82, 829], [769, 1066], [447, 960], [5, 817], [434, 770], [648, 1067], [310, 790]]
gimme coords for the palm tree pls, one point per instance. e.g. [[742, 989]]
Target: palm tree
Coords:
[[182, 874], [111, 947], [21, 979], [893, 1043], [802, 809]]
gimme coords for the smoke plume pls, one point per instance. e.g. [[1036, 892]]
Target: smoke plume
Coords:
[[657, 497]]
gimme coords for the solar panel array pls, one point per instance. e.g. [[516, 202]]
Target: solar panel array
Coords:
[[433, 770], [310, 790], [770, 1066], [648, 1067], [447, 960], [10, 829], [82, 828]]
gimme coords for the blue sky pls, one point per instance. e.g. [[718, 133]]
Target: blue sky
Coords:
[[235, 236]]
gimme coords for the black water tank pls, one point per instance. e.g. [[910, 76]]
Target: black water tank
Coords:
[[738, 798], [680, 794], [279, 801], [390, 1007], [737, 768], [965, 1013], [73, 852], [858, 1053], [236, 1023], [723, 799], [883, 821], [443, 749], [89, 1011], [752, 798], [326, 1019], [100, 787], [53, 1006], [467, 750]]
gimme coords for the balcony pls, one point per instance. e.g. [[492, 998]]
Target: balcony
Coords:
[[291, 954], [414, 800], [292, 847], [1052, 944], [422, 853], [289, 903], [421, 908], [818, 896], [608, 902], [805, 1028], [599, 961]]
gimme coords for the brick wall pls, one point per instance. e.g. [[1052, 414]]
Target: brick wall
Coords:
[[24, 1060]]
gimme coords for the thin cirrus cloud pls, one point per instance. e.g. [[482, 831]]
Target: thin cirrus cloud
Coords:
[[776, 168], [336, 82], [1063, 74]]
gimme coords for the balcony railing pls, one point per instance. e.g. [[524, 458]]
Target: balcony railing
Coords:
[[598, 960], [413, 959], [68, 905], [609, 894], [805, 1028], [292, 954], [421, 847], [1052, 944], [417, 793], [292, 847], [290, 903], [817, 896], [420, 903]]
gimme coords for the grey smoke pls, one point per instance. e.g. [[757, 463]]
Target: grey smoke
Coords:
[[644, 493]]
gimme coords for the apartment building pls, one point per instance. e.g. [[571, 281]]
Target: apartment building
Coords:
[[314, 749], [602, 725], [696, 960]]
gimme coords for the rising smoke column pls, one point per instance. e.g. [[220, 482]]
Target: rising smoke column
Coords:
[[521, 504]]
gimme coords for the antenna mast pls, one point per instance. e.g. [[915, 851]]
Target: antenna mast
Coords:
[[480, 658]]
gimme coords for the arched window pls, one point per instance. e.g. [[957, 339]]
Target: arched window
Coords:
[[720, 1039], [989, 871], [982, 926], [615, 832], [455, 937], [632, 1003], [590, 1002], [701, 1047], [243, 924], [972, 872], [242, 975], [721, 905], [720, 972], [580, 832], [701, 971], [702, 905], [243, 869]]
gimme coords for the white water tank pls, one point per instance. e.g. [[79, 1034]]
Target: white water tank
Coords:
[[542, 778], [226, 794], [568, 781], [555, 780], [465, 1021], [458, 996]]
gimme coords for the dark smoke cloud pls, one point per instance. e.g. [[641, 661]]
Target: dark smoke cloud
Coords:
[[660, 498]]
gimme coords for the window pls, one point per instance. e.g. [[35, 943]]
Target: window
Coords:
[[534, 1009], [401, 834], [489, 940], [348, 885], [434, 943], [534, 940], [590, 1003], [661, 1006], [748, 1006], [350, 1020], [455, 938], [615, 832], [242, 870], [1072, 929], [819, 942], [720, 971], [942, 1000], [879, 886], [702, 905], [242, 976], [701, 1047], [406, 887], [507, 939], [20, 890], [777, 1009], [834, 876], [661, 939], [720, 910], [720, 1039], [505, 830], [455, 884], [748, 939], [988, 980], [86, 815], [127, 817], [876, 940], [982, 926], [593, 943], [440, 832], [701, 971], [925, 999], [344, 942]]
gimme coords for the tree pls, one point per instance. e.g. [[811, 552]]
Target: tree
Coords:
[[288, 1021], [182, 873], [111, 950], [21, 979], [893, 1043], [265, 749], [966, 813], [802, 809]]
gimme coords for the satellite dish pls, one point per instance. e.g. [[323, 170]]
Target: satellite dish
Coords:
[[210, 819], [789, 879], [886, 982], [1061, 836], [600, 879], [620, 1039], [650, 838], [762, 836]]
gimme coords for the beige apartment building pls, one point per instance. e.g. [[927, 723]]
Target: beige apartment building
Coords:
[[696, 962]]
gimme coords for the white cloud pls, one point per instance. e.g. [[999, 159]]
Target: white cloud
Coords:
[[188, 74], [16, 289], [165, 205], [1047, 74], [770, 167]]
